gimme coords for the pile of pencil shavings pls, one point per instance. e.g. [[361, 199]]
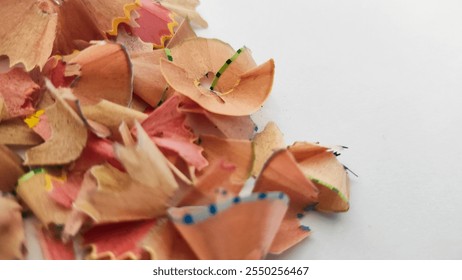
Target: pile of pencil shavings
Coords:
[[128, 137]]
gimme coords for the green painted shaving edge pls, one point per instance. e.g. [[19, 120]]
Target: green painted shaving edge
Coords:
[[30, 174], [224, 67], [329, 186], [168, 53]]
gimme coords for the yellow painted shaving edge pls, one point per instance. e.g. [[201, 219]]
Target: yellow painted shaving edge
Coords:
[[128, 8], [33, 120]]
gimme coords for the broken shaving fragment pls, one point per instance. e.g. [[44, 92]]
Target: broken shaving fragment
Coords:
[[10, 169], [65, 124], [18, 94], [320, 164], [240, 90], [265, 143], [12, 237], [238, 228], [54, 71]]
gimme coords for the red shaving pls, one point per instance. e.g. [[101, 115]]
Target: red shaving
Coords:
[[96, 152], [118, 239], [54, 249], [43, 127], [19, 93], [166, 127], [54, 71], [153, 21], [65, 192]]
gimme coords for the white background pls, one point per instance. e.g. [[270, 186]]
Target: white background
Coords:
[[383, 78]]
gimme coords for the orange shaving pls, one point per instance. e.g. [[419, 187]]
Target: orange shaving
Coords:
[[330, 176], [242, 88]]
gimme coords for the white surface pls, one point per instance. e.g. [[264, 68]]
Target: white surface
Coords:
[[383, 78]]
